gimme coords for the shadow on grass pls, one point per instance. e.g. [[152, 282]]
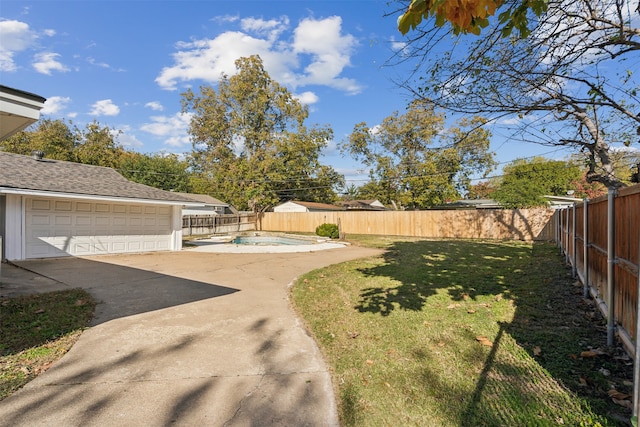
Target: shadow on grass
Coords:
[[551, 325], [422, 268]]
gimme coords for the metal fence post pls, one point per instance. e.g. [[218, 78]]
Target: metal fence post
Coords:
[[574, 264], [636, 363], [585, 247], [611, 259]]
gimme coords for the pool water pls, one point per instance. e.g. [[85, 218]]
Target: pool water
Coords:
[[269, 241]]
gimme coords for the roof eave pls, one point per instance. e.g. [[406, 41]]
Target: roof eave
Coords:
[[63, 195]]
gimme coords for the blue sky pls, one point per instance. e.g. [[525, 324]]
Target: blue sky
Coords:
[[125, 63]]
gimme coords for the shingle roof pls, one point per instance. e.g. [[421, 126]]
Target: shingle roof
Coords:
[[319, 206], [204, 198], [27, 173]]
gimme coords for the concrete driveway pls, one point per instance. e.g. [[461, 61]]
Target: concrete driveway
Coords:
[[185, 338]]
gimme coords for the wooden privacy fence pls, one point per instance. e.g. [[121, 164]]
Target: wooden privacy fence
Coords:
[[194, 225], [600, 239], [519, 224]]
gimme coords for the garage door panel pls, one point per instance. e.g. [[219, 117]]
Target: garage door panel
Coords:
[[69, 227]]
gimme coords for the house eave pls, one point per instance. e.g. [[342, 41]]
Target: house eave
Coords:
[[62, 195], [18, 110]]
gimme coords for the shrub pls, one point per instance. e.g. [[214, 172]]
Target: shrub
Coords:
[[328, 230]]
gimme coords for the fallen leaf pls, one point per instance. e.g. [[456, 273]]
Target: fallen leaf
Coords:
[[583, 381], [354, 334], [615, 394], [592, 353], [624, 403], [573, 356], [39, 311], [471, 311], [388, 385], [537, 350], [322, 276], [441, 344], [499, 297], [465, 296], [452, 306], [484, 341], [369, 362], [80, 302]]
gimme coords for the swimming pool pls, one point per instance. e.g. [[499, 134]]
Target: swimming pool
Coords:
[[270, 241]]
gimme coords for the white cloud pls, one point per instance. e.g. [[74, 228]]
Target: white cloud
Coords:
[[55, 104], [46, 62], [173, 129], [15, 36], [105, 107], [271, 28], [127, 139], [307, 98], [154, 105], [316, 53], [330, 50]]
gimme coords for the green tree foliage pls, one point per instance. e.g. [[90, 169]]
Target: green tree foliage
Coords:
[[250, 144], [414, 163], [97, 146], [525, 182], [55, 138], [159, 170]]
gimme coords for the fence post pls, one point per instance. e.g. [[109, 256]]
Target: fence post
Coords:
[[636, 363], [611, 259], [574, 251], [560, 230], [585, 247], [567, 255]]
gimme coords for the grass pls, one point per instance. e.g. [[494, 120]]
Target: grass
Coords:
[[36, 331], [463, 333]]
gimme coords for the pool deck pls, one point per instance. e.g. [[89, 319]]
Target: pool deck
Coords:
[[222, 245]]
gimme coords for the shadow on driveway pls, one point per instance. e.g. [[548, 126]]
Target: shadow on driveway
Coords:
[[121, 290]]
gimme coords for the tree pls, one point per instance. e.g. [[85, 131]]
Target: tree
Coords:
[[471, 16], [97, 146], [250, 144], [568, 83], [159, 170], [525, 182], [55, 138], [481, 190], [414, 163]]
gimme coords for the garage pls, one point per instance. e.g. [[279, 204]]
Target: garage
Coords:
[[52, 208], [73, 227]]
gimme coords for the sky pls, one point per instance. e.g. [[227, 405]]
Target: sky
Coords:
[[125, 64]]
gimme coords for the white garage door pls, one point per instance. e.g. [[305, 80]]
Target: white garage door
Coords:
[[56, 227]]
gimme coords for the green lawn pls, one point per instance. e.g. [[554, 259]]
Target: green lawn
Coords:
[[37, 330], [463, 333]]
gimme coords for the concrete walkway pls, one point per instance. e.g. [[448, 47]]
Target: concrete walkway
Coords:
[[184, 338]]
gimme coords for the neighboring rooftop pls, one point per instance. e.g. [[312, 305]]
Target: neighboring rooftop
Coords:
[[18, 172], [317, 206], [363, 205]]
